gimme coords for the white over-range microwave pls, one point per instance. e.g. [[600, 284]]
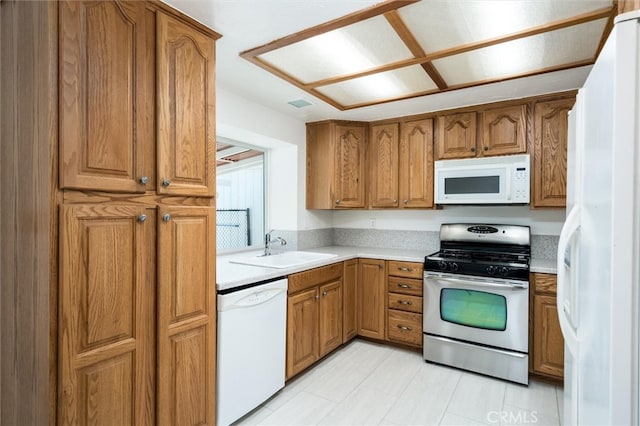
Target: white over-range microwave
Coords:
[[487, 180]]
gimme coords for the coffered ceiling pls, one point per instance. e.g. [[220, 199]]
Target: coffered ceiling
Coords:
[[398, 50]]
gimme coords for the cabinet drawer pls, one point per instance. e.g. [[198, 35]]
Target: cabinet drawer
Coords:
[[405, 327], [313, 277], [405, 286], [405, 269], [403, 302]]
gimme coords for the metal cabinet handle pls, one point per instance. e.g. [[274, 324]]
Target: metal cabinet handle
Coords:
[[324, 293], [316, 297], [395, 201], [166, 182], [402, 268], [405, 302], [486, 148], [166, 217], [405, 201], [473, 149], [404, 328], [404, 286], [144, 180], [337, 201], [142, 218]]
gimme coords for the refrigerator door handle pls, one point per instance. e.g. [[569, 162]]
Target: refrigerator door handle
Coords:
[[571, 227]]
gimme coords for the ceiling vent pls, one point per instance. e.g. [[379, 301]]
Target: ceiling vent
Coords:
[[299, 103]]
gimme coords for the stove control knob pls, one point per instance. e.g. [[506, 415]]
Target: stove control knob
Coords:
[[453, 266], [491, 270], [442, 265], [504, 270]]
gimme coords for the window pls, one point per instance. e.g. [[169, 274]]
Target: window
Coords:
[[240, 195]]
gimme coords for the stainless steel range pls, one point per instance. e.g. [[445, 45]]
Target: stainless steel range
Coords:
[[476, 300]]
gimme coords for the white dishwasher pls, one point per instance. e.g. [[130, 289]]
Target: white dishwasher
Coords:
[[251, 347]]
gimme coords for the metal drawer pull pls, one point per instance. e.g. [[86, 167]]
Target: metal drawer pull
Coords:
[[142, 218], [316, 297], [404, 328], [402, 268], [404, 286], [405, 302], [324, 293]]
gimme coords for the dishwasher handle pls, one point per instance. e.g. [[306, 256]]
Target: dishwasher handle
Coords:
[[258, 297]]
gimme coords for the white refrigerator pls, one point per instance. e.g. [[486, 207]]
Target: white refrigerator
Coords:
[[598, 251]]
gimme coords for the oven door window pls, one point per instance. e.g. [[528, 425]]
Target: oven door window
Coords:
[[473, 308]]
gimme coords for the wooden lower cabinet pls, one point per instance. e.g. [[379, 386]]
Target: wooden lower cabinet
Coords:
[[106, 322], [314, 316], [547, 344], [371, 298], [404, 302], [349, 301]]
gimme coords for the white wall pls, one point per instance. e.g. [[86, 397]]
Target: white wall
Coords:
[[246, 121]]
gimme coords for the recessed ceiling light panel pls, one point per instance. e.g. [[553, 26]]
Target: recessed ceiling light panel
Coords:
[[299, 103]]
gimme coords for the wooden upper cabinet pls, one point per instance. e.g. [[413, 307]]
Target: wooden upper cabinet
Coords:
[[384, 165], [106, 318], [336, 165], [186, 113], [457, 135], [416, 164], [186, 312], [549, 162], [504, 130], [105, 98]]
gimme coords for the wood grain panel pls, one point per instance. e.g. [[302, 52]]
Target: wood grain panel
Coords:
[[405, 269], [405, 327], [504, 130], [349, 305], [383, 165], [350, 166], [330, 317], [28, 221], [544, 283], [548, 355], [549, 168], [371, 298], [186, 99], [189, 368], [107, 296], [146, 199], [405, 285], [456, 135], [103, 100], [628, 5], [302, 330], [186, 315], [313, 277], [416, 164], [405, 302]]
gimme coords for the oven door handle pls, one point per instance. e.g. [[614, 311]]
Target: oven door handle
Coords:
[[479, 283]]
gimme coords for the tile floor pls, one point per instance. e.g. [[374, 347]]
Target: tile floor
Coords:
[[365, 383]]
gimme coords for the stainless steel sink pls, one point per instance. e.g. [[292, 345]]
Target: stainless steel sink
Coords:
[[285, 259]]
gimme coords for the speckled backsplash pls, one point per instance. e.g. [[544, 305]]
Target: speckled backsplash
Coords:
[[542, 246]]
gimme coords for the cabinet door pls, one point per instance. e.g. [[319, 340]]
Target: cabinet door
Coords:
[[371, 298], [383, 166], [457, 135], [186, 114], [550, 153], [416, 164], [186, 315], [105, 99], [330, 325], [504, 130], [302, 331], [349, 174], [548, 343], [106, 322], [349, 306]]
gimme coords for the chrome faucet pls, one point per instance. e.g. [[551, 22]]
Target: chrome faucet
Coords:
[[268, 242]]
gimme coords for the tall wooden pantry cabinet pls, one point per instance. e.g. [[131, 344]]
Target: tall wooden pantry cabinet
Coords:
[[129, 195]]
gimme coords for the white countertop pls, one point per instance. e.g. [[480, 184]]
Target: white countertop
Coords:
[[230, 275]]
